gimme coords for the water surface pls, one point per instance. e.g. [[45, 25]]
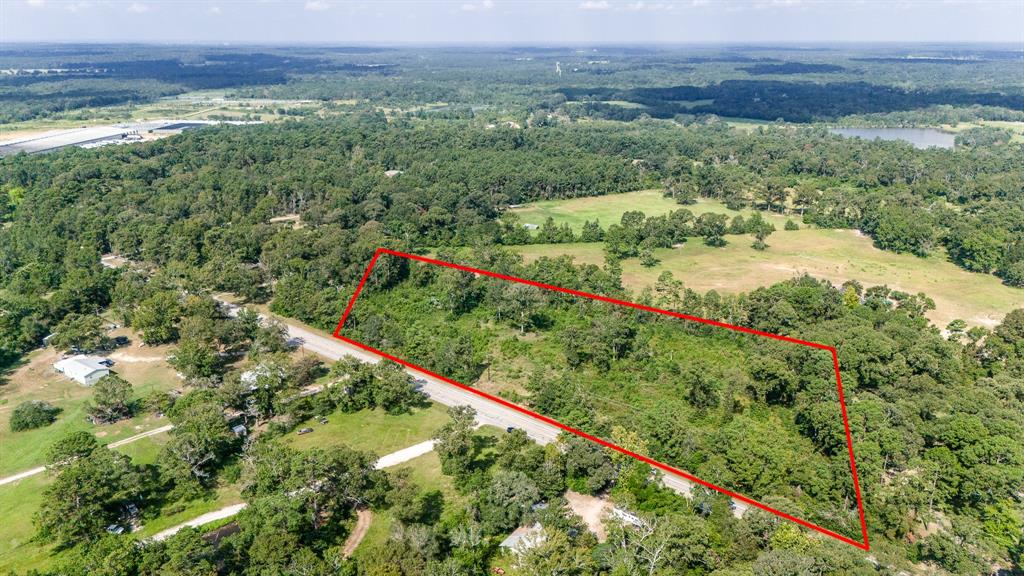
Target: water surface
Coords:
[[919, 137]]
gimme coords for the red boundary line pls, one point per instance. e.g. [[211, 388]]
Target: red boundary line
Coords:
[[864, 545]]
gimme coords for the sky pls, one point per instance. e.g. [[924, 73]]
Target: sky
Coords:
[[511, 21]]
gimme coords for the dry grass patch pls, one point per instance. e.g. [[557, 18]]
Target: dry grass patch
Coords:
[[834, 255]]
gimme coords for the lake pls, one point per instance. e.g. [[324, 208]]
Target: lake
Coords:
[[919, 137]]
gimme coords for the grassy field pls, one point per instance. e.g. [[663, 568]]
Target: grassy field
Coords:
[[609, 209], [19, 501], [1016, 128], [374, 430], [179, 512], [35, 379], [836, 255]]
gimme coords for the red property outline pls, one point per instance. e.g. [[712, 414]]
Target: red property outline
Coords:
[[864, 545]]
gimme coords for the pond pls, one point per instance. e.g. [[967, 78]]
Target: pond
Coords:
[[919, 137]]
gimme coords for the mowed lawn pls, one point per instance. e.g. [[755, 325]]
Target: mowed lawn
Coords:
[[834, 255], [20, 500], [425, 472], [373, 430], [608, 209]]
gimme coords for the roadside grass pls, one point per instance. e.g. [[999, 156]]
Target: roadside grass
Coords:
[[371, 430], [608, 209], [835, 255], [36, 380], [180, 512], [146, 450], [19, 501]]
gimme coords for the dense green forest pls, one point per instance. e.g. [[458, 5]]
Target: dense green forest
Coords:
[[198, 205], [936, 415], [752, 82]]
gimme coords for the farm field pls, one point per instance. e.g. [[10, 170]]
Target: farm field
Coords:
[[835, 255], [609, 209]]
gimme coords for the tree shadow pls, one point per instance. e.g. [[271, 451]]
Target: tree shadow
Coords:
[[432, 506], [485, 458]]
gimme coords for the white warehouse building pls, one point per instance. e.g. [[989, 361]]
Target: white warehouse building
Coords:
[[86, 370]]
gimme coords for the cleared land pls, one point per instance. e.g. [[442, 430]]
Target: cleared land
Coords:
[[836, 255], [609, 209], [35, 379], [198, 105], [374, 430]]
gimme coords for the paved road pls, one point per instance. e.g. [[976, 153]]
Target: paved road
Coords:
[[488, 411], [128, 440]]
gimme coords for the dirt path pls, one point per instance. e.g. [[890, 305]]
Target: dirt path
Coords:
[[126, 357], [363, 519], [225, 512], [15, 477]]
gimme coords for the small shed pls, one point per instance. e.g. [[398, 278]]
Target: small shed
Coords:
[[86, 370]]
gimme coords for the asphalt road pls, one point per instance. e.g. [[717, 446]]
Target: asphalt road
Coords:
[[488, 411]]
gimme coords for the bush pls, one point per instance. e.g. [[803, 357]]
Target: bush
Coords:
[[790, 225], [33, 414]]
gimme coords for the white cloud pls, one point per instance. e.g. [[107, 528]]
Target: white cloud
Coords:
[[595, 5], [35, 3], [477, 6], [317, 5], [138, 8], [75, 7], [214, 10], [641, 6]]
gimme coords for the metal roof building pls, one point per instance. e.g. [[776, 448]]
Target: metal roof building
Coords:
[[86, 370]]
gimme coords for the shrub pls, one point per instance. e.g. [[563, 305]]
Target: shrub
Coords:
[[33, 414], [790, 225]]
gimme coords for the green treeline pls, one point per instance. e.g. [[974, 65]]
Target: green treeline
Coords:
[[198, 206], [922, 409]]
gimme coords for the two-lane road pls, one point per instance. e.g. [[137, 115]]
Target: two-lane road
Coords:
[[488, 411]]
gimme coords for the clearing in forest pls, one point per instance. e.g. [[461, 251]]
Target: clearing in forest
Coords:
[[759, 417]]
